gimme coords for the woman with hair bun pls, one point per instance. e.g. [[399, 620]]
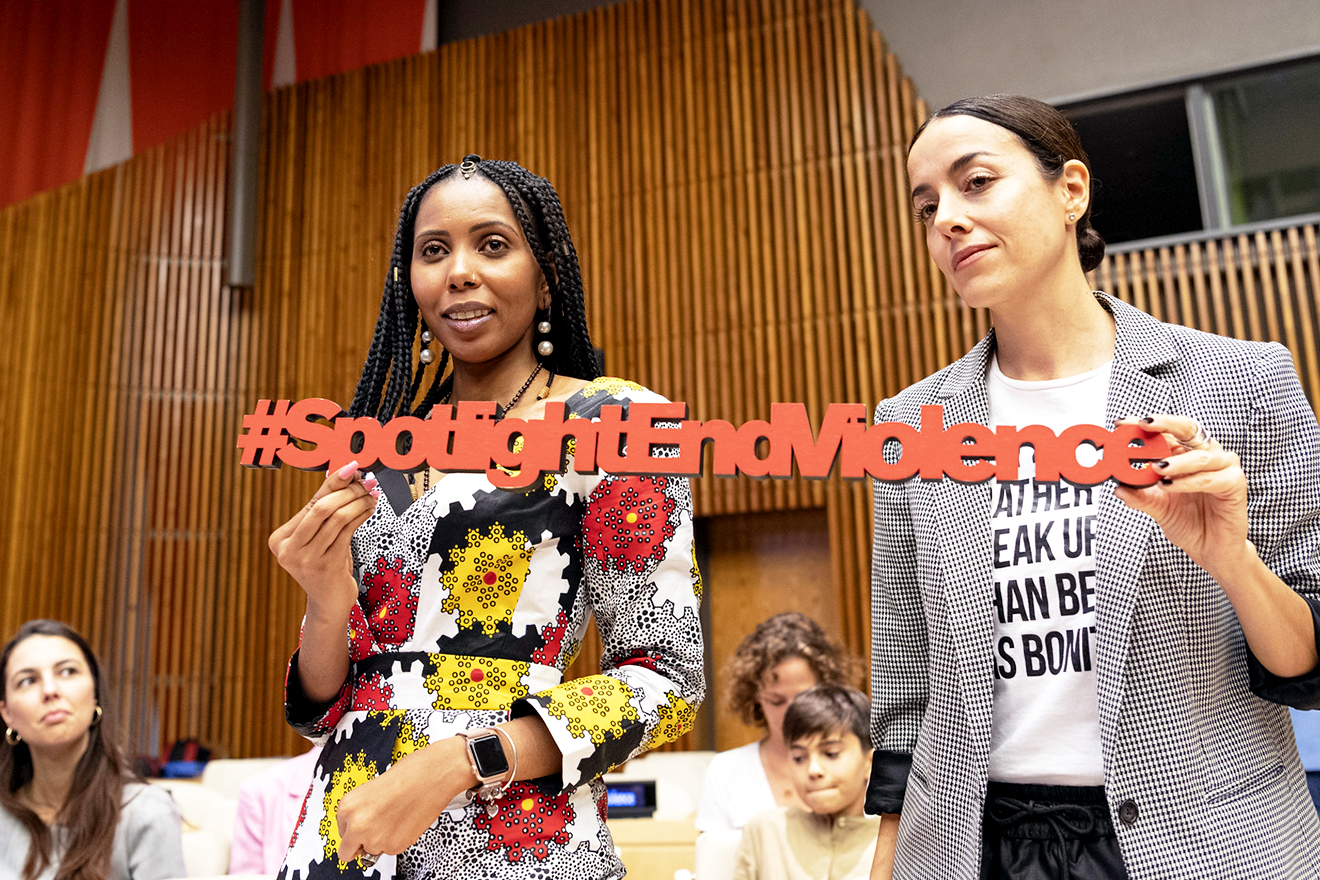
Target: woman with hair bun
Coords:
[[785, 655], [1089, 682], [72, 808]]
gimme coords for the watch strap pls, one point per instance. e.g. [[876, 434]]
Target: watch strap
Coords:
[[491, 783]]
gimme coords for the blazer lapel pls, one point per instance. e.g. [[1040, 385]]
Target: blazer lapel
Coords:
[[963, 530], [1123, 534]]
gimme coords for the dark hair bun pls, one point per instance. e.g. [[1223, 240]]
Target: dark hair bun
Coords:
[[1090, 248]]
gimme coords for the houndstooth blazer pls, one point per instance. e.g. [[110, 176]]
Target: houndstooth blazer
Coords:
[[1201, 774]]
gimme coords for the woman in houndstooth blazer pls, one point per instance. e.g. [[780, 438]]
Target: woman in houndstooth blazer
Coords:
[[1120, 713]]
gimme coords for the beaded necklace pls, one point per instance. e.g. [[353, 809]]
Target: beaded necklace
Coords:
[[513, 401]]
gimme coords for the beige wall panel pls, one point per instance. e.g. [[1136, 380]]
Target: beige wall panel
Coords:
[[761, 564]]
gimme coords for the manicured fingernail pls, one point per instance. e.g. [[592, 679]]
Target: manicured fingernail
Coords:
[[375, 493], [1166, 481], [369, 484], [1149, 420], [1162, 464], [346, 472]]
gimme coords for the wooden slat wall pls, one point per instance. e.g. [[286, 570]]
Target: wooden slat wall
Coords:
[[118, 413], [733, 173], [1261, 286]]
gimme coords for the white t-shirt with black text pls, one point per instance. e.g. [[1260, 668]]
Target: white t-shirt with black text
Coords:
[[1046, 727]]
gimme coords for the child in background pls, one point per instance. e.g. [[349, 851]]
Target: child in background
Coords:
[[830, 750]]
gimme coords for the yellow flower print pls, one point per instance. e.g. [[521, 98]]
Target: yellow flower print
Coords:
[[486, 578], [596, 706], [408, 742], [674, 717], [460, 682], [697, 586], [356, 770], [609, 385]]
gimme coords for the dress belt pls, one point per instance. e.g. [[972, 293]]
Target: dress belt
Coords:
[[416, 680]]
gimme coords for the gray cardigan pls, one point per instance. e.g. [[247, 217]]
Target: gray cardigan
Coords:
[[148, 842]]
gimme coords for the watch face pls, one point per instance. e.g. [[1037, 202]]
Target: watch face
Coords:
[[489, 755]]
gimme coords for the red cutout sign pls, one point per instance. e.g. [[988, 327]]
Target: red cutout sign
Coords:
[[658, 439]]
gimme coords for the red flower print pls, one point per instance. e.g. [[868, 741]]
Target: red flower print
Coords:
[[554, 634], [526, 822], [372, 693], [645, 659], [302, 814], [391, 606], [361, 643], [628, 522]]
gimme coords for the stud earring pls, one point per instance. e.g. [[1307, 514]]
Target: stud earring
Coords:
[[12, 737], [545, 347], [1071, 217], [427, 356]]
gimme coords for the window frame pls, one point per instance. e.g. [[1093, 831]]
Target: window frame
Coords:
[[1209, 164]]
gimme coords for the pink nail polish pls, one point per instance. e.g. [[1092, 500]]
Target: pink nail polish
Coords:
[[369, 484], [375, 493], [346, 472]]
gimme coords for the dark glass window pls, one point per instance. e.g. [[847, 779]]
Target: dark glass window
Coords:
[[1141, 154]]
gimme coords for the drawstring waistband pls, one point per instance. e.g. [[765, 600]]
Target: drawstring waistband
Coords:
[[1054, 813]]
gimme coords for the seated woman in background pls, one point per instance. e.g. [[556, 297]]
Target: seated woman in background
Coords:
[[787, 654], [72, 809]]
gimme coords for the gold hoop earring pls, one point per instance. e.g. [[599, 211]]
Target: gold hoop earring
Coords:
[[96, 716], [12, 737]]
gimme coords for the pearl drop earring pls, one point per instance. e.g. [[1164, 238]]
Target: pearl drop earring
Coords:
[[545, 347], [427, 356]]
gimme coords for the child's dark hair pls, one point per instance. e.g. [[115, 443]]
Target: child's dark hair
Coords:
[[827, 708], [387, 387]]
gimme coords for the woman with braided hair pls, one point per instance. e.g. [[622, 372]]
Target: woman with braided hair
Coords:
[[439, 623]]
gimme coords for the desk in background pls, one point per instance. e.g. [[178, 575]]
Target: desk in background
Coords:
[[653, 849]]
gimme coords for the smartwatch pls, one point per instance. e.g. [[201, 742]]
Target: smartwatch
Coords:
[[489, 765]]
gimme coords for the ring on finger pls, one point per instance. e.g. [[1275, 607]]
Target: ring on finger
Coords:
[[369, 859], [1199, 440]]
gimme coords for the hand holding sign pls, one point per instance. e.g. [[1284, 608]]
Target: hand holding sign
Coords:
[[313, 546], [1200, 501]]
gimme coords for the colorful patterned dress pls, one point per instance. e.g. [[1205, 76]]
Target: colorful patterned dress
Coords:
[[472, 602]]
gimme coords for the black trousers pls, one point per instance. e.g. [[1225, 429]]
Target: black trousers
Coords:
[[1048, 832]]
